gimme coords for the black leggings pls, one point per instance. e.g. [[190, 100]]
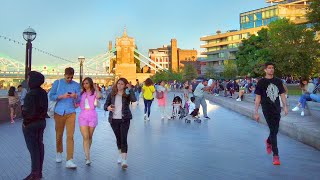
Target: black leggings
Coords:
[[273, 123], [147, 106], [120, 129]]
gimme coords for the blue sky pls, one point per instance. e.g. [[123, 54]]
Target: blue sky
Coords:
[[70, 28]]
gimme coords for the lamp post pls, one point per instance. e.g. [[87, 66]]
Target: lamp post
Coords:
[[81, 60], [29, 35]]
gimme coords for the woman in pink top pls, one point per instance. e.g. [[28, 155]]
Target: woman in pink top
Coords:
[[163, 101], [88, 118]]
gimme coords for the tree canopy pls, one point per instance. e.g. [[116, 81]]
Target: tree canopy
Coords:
[[291, 47]]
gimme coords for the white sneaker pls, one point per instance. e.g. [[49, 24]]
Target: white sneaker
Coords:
[[119, 159], [145, 117], [238, 99], [70, 164], [148, 119], [124, 164], [302, 113], [296, 108], [59, 157], [217, 95], [88, 162]]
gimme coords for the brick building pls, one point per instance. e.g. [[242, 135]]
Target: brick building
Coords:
[[172, 57]]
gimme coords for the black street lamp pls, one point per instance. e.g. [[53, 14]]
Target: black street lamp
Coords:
[[81, 60], [29, 35]]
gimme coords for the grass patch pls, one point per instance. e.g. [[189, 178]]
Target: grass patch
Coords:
[[294, 89]]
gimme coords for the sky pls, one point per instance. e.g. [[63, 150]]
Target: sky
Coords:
[[73, 28]]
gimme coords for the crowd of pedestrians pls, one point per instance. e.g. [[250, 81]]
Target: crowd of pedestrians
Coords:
[[69, 95]]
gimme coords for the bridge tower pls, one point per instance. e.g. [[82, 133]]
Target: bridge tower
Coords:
[[125, 65]]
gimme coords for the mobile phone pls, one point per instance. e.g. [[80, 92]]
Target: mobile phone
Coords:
[[69, 92]]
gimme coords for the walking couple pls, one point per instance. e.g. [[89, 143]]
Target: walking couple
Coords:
[[68, 96]]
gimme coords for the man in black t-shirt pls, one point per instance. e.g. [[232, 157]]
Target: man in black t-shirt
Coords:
[[268, 92]]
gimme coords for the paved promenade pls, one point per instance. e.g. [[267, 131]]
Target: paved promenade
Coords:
[[228, 146]]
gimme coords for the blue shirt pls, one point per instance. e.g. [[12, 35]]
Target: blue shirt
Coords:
[[64, 106]]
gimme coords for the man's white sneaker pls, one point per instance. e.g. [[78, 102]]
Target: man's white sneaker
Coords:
[[59, 157], [302, 113], [296, 108], [70, 164], [238, 99], [119, 159], [124, 164], [88, 162], [148, 119], [145, 117]]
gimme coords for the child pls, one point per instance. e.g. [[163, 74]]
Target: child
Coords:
[[177, 104], [193, 111]]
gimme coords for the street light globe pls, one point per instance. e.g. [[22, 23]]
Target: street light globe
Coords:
[[81, 59], [29, 34]]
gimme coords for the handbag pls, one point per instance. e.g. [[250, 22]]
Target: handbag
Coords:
[[159, 95], [52, 104]]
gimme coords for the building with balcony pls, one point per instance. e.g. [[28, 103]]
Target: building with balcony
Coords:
[[224, 45], [172, 57]]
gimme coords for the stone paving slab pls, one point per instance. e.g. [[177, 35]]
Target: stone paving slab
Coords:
[[229, 146]]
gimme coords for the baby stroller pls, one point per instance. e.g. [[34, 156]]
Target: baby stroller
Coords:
[[177, 110]]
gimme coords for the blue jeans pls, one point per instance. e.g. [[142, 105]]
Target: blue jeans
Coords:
[[147, 106], [137, 94], [315, 97], [303, 100], [201, 101]]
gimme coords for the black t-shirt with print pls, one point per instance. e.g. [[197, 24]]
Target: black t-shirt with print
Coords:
[[270, 90]]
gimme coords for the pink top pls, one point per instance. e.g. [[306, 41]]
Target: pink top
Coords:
[[91, 99]]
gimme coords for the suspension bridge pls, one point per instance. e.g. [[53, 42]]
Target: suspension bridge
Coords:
[[99, 67]]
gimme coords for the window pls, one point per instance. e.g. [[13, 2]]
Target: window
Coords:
[[259, 16], [221, 55], [258, 23], [250, 17]]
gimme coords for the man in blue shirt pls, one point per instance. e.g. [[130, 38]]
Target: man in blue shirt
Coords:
[[67, 94]]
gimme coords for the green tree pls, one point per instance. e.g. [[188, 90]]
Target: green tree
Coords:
[[167, 76], [230, 69], [253, 53], [293, 48], [313, 14], [189, 72], [212, 72]]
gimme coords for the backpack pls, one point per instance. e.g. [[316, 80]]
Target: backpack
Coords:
[[159, 95]]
